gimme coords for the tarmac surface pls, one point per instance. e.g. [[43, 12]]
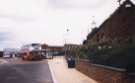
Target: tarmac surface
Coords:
[[18, 71]]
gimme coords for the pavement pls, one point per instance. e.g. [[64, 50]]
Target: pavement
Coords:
[[62, 74], [2, 61]]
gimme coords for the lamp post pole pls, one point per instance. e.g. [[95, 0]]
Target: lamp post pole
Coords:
[[66, 38]]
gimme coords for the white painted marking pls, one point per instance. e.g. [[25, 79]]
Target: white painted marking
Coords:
[[52, 73]]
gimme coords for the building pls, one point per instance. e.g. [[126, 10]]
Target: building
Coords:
[[118, 29], [71, 49], [53, 50], [9, 52], [1, 53], [113, 43]]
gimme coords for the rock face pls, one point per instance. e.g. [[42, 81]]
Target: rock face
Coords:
[[119, 28]]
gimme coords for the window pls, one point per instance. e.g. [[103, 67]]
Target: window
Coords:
[[128, 5]]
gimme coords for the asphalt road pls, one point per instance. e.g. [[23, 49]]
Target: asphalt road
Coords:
[[28, 72]]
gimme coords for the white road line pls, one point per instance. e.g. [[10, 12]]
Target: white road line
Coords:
[[52, 73]]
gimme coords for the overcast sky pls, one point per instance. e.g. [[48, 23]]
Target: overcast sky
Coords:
[[46, 21]]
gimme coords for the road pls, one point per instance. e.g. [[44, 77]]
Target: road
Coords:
[[18, 71]]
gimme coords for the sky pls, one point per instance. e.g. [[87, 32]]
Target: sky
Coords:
[[46, 21]]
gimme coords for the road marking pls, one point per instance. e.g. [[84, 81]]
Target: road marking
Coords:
[[52, 72]]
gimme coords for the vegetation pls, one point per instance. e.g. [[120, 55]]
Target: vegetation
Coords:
[[122, 56]]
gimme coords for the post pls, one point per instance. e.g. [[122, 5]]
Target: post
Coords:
[[119, 1], [67, 30]]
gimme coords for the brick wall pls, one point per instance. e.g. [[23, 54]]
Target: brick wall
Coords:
[[101, 74]]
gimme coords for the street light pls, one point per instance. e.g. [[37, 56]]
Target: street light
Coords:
[[66, 38]]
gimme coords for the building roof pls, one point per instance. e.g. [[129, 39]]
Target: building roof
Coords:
[[119, 25]]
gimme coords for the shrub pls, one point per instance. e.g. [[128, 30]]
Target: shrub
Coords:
[[121, 57]]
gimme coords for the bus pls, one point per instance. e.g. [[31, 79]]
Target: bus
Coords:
[[31, 52]]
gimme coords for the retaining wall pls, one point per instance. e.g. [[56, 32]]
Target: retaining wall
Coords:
[[102, 74]]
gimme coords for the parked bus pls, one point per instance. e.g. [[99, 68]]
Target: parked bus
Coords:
[[31, 52]]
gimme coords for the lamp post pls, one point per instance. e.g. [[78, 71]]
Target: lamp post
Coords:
[[66, 38]]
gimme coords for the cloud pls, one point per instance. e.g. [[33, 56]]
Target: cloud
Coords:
[[26, 21], [8, 40], [18, 18], [77, 3], [21, 8], [6, 37]]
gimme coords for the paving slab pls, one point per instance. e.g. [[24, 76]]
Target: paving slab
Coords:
[[2, 61], [62, 74]]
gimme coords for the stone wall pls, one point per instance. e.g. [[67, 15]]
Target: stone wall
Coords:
[[101, 74]]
